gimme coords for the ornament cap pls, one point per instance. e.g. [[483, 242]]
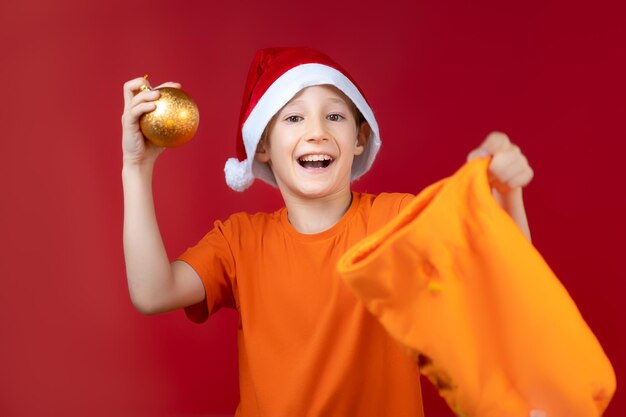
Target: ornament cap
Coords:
[[145, 86]]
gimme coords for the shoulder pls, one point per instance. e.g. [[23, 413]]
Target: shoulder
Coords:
[[255, 218], [244, 223], [245, 219], [391, 203], [376, 210]]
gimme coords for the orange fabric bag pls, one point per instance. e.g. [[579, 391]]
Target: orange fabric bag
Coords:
[[456, 282]]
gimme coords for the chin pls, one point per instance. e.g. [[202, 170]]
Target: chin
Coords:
[[322, 190], [311, 188], [313, 192]]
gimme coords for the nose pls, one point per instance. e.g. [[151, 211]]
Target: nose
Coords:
[[316, 130]]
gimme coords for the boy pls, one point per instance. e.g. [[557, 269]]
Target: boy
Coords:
[[306, 345]]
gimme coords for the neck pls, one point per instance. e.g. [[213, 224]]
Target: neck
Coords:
[[315, 215]]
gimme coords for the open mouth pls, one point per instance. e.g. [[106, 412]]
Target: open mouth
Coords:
[[315, 161]]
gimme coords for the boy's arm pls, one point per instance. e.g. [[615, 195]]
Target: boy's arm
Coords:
[[155, 285], [513, 203], [509, 172]]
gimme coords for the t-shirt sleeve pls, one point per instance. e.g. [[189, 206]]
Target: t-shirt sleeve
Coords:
[[212, 259]]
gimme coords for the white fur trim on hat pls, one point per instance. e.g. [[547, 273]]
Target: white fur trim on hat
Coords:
[[240, 175]]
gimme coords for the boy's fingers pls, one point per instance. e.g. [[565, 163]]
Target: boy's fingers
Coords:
[[170, 84], [132, 87], [508, 167], [522, 179], [143, 96], [510, 158], [493, 143], [477, 153], [141, 103], [519, 180], [131, 117], [141, 109], [512, 171]]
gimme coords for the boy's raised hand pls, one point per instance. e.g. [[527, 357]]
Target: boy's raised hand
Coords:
[[509, 168], [509, 172], [139, 100]]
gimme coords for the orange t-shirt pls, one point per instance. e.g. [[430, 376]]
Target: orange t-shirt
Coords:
[[307, 346]]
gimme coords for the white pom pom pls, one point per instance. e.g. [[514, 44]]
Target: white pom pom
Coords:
[[238, 174]]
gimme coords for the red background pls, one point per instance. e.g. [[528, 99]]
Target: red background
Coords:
[[439, 74]]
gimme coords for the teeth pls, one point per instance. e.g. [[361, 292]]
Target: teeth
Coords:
[[311, 158]]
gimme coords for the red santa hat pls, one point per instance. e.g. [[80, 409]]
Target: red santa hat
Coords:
[[275, 77]]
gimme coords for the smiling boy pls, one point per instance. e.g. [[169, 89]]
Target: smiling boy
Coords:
[[307, 347]]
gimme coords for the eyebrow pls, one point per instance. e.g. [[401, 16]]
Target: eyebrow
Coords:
[[338, 100], [332, 99]]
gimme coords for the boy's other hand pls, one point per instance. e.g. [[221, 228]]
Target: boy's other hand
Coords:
[[138, 100], [509, 168]]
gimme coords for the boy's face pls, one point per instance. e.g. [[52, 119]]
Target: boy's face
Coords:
[[311, 143]]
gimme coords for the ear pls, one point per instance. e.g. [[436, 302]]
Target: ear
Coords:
[[262, 151], [363, 136]]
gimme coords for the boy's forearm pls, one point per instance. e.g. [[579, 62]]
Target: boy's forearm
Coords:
[[147, 264], [513, 203]]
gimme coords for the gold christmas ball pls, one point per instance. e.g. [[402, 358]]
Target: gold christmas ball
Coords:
[[174, 121]]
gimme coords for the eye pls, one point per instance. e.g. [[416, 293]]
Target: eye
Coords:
[[293, 119], [335, 117]]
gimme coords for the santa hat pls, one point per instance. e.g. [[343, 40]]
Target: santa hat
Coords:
[[275, 77]]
